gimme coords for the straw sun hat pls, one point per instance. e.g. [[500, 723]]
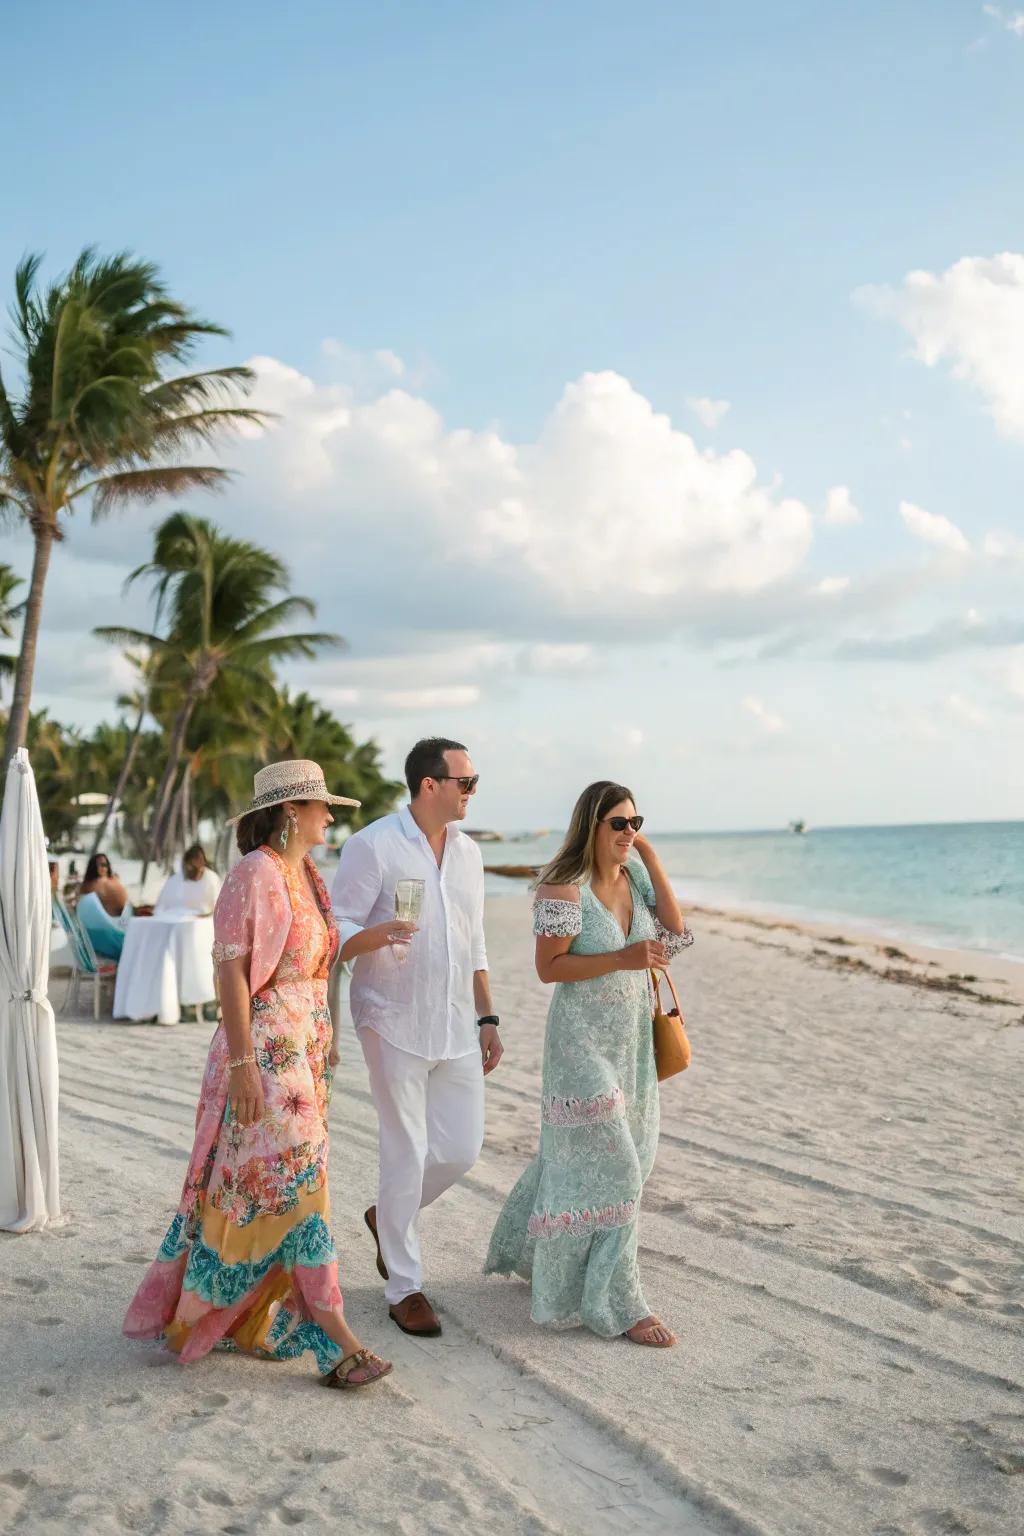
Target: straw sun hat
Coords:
[[298, 779]]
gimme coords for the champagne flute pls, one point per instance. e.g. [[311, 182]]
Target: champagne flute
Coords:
[[408, 906]]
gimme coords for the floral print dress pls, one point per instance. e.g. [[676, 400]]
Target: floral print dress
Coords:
[[570, 1224], [250, 1251]]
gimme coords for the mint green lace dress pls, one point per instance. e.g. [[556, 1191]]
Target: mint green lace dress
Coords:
[[570, 1224]]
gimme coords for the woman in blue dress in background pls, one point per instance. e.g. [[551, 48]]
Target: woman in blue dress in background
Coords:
[[605, 913]]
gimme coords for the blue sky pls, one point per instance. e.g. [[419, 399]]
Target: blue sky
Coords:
[[689, 199]]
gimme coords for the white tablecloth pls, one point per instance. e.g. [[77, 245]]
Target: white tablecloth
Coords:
[[167, 961]]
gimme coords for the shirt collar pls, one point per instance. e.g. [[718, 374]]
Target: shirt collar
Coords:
[[413, 831]]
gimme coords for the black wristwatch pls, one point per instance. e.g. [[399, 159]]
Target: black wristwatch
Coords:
[[488, 1018]]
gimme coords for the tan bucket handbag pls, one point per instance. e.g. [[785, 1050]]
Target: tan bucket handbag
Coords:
[[671, 1047]]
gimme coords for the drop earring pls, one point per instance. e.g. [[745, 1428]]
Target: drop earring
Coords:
[[285, 830]]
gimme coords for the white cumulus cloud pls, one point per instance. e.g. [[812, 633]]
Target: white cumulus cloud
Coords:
[[766, 718], [965, 712], [1010, 21], [1003, 546], [970, 317], [831, 586], [545, 658], [932, 528], [707, 411], [839, 507], [611, 504]]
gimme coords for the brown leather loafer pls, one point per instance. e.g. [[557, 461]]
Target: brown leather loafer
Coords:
[[415, 1315], [370, 1217]]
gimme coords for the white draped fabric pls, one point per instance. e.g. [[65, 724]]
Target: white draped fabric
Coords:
[[167, 961], [29, 1176]]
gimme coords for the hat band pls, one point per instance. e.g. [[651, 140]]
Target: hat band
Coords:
[[304, 789]]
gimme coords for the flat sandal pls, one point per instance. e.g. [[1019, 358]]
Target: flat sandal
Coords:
[[341, 1374]]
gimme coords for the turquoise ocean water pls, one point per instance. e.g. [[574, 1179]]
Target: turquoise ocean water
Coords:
[[959, 884]]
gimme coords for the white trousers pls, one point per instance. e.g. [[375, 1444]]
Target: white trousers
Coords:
[[430, 1119]]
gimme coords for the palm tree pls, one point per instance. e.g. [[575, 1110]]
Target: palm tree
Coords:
[[97, 417], [300, 727], [113, 750], [9, 613], [224, 623], [56, 759]]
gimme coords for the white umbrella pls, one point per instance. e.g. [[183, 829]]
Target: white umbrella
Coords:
[[29, 1180]]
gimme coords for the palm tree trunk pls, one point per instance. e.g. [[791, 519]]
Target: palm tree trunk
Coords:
[[175, 752], [44, 533], [122, 778], [177, 823]]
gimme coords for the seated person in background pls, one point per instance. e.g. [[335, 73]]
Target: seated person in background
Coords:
[[72, 884], [105, 932], [101, 881], [55, 900], [194, 890]]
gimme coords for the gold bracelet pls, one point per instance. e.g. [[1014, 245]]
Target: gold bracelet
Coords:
[[243, 1061]]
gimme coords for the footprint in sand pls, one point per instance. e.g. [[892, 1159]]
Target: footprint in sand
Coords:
[[889, 1477], [932, 1270], [46, 1391], [124, 1402], [315, 1457], [33, 1286], [97, 1264], [291, 1516], [217, 1496], [16, 1479], [49, 1322]]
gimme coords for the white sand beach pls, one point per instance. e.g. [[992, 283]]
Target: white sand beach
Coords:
[[833, 1226]]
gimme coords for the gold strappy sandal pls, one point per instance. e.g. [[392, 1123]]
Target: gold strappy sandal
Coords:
[[363, 1359]]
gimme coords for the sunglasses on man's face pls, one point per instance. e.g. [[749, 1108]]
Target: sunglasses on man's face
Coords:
[[466, 784], [620, 823]]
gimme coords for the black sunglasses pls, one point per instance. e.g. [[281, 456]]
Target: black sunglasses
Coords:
[[620, 823], [466, 784]]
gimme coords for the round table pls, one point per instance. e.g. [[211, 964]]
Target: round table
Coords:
[[167, 962]]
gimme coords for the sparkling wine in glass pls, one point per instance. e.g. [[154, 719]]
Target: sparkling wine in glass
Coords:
[[408, 906]]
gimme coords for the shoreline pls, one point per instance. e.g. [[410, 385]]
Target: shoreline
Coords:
[[881, 949]]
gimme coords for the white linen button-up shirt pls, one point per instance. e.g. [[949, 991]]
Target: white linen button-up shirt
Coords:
[[422, 999]]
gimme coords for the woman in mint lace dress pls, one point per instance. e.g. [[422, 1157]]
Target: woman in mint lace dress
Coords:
[[605, 913]]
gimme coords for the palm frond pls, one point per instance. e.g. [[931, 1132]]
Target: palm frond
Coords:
[[272, 617], [281, 648], [122, 634], [191, 389], [146, 485], [181, 431]]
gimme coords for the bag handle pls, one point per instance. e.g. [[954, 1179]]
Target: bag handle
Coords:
[[656, 977]]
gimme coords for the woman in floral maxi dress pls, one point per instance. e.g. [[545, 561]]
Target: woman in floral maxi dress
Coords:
[[605, 913], [248, 1261]]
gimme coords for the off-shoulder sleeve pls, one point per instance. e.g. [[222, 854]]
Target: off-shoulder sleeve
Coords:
[[556, 919], [252, 917], [673, 942]]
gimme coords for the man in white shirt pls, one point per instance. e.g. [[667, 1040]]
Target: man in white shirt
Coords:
[[421, 1002]]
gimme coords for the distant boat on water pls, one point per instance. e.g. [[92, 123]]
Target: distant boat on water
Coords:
[[799, 827], [480, 835]]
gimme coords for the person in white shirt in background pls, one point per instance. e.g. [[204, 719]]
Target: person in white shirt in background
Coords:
[[195, 889], [421, 1003]]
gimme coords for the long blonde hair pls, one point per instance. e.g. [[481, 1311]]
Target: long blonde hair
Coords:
[[573, 864]]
